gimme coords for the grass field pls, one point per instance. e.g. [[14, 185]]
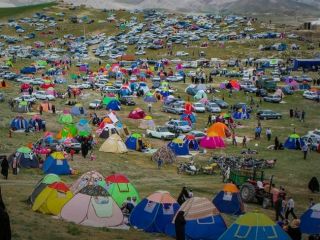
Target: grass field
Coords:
[[291, 170]]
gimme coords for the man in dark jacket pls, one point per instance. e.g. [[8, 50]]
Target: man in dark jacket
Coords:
[[5, 229], [180, 224]]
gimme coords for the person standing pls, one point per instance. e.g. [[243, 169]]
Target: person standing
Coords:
[[180, 224], [305, 149], [5, 229], [276, 143], [53, 108], [5, 167], [84, 149], [209, 120], [268, 133], [149, 107], [15, 165], [234, 140], [159, 163], [278, 209], [303, 114], [290, 209], [244, 141]]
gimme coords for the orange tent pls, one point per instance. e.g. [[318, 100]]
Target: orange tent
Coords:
[[218, 129], [230, 187], [46, 106]]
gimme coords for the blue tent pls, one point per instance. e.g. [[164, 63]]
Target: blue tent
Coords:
[[114, 105], [25, 158], [154, 213], [203, 220], [132, 141], [191, 118], [19, 123], [77, 110], [125, 92], [254, 226], [239, 115], [179, 147], [310, 220], [229, 200], [56, 164], [305, 63], [294, 142], [28, 70], [192, 142]]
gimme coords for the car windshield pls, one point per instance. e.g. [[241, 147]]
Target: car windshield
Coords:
[[163, 129], [183, 123], [198, 105], [316, 132]]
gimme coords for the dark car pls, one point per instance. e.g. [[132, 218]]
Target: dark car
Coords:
[[221, 103], [261, 92], [250, 89], [272, 99], [268, 114], [127, 100]]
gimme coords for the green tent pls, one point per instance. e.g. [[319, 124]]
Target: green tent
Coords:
[[121, 189], [65, 118], [68, 130], [42, 63], [24, 150], [107, 100]]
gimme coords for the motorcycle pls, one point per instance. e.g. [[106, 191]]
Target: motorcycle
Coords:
[[188, 168]]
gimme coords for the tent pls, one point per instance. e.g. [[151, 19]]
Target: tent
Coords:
[[121, 189], [229, 200], [294, 142], [77, 110], [52, 198], [310, 220], [19, 124], [92, 206], [68, 131], [203, 220], [200, 95], [192, 142], [114, 144], [220, 129], [254, 226], [211, 141], [22, 107], [42, 184], [89, 178], [241, 114], [132, 141], [137, 113], [189, 117], [150, 98], [65, 118], [25, 158], [108, 130], [57, 164], [83, 128], [165, 154], [114, 105], [179, 147], [147, 123], [154, 213]]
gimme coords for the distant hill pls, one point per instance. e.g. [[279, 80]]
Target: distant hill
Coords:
[[18, 3]]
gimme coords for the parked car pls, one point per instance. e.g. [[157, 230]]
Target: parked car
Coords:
[[43, 95], [213, 107], [314, 133], [95, 104], [272, 99], [178, 126], [197, 134], [81, 86], [261, 92], [268, 114], [310, 95], [173, 108], [312, 142], [174, 78], [199, 107], [250, 88], [220, 103], [127, 100], [110, 89], [161, 133], [27, 98]]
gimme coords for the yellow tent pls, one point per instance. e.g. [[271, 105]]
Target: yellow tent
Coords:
[[52, 198], [114, 144]]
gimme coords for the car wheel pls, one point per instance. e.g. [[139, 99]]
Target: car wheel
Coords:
[[150, 135], [264, 118], [279, 117], [162, 138]]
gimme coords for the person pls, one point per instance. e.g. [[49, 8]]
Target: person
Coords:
[[209, 120], [179, 224], [5, 167], [5, 229], [72, 152], [276, 143], [294, 230], [275, 194], [149, 107], [268, 133], [244, 141], [159, 162], [84, 149], [234, 140], [15, 165], [290, 208], [314, 185], [183, 196], [304, 149], [53, 108], [278, 209], [303, 114], [40, 109]]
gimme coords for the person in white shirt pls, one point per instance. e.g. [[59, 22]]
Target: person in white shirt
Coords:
[[290, 209], [268, 133]]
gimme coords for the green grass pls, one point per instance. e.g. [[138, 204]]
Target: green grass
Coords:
[[12, 12]]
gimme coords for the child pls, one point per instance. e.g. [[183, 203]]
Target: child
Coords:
[[72, 152], [92, 157]]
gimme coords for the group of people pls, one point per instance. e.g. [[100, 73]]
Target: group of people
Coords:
[[297, 114]]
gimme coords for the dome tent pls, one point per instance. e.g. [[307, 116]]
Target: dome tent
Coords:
[[137, 113], [108, 130], [229, 200], [310, 220], [254, 226], [78, 110], [83, 128], [56, 163], [92, 206], [154, 213], [132, 141], [25, 158], [88, 178], [114, 144], [294, 142], [114, 105], [120, 189], [165, 154], [179, 147], [65, 118], [52, 198], [192, 142], [203, 220], [19, 124], [147, 123], [219, 129]]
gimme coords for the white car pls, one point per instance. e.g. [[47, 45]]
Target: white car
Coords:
[[27, 98], [213, 107], [24, 79], [178, 126], [181, 54], [101, 83], [199, 107], [95, 104], [174, 78], [80, 86], [310, 95], [162, 133], [315, 134], [141, 52], [37, 81], [43, 95]]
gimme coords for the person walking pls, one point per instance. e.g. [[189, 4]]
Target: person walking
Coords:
[[290, 209], [234, 140], [149, 107], [209, 120], [5, 229], [159, 163], [244, 141], [40, 109], [5, 167], [305, 149], [53, 108], [268, 133], [303, 114], [15, 165], [278, 209], [276, 143], [84, 149]]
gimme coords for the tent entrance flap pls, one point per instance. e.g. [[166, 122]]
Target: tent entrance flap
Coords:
[[102, 206], [206, 221]]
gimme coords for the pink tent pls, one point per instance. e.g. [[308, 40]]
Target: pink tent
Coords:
[[212, 142]]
